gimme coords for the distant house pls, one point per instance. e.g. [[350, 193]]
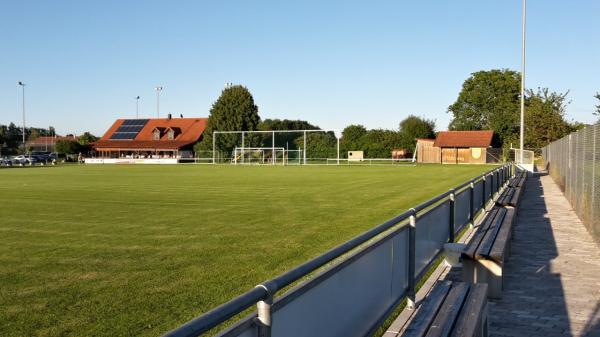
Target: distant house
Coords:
[[458, 147], [144, 139], [46, 143]]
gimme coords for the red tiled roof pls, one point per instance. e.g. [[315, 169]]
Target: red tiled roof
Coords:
[[190, 131], [464, 139]]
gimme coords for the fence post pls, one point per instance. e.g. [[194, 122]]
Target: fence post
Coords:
[[452, 212], [497, 177], [472, 204], [263, 309], [593, 183], [412, 245], [484, 194]]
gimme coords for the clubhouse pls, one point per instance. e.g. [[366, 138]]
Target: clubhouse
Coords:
[[156, 140]]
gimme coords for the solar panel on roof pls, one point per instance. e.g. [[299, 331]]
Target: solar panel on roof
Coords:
[[129, 129]]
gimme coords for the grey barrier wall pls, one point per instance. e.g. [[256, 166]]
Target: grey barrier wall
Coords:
[[462, 208], [360, 282], [574, 163]]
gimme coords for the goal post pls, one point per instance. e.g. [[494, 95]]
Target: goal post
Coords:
[[302, 147]]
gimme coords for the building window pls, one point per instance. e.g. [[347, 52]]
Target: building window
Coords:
[[156, 135], [171, 135]]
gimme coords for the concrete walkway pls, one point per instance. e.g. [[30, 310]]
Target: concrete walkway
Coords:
[[552, 280]]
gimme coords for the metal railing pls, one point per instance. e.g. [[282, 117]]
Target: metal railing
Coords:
[[574, 163], [360, 282]]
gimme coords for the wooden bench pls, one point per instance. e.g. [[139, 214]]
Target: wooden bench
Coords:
[[451, 309], [518, 180], [484, 257], [511, 196]]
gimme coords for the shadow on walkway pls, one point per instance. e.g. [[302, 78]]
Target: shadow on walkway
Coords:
[[552, 277]]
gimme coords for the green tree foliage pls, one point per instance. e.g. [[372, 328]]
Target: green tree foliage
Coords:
[[3, 135], [597, 112], [11, 137], [376, 143], [352, 138], [287, 140], [87, 138], [413, 127], [319, 145], [489, 100], [33, 134], [234, 110], [545, 117], [379, 143], [64, 146]]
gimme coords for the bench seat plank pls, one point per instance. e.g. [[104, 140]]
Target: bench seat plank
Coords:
[[451, 309], [449, 312], [499, 251], [469, 324], [516, 197], [492, 233], [428, 310], [471, 249], [505, 196]]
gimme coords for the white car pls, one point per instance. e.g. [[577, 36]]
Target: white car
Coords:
[[24, 160]]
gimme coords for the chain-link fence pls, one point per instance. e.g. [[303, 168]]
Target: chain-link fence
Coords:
[[574, 163]]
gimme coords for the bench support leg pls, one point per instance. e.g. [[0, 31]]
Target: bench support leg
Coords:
[[484, 271]]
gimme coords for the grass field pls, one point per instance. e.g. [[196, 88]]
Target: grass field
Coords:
[[138, 250]]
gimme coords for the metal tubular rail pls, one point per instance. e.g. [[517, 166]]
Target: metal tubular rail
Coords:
[[265, 292]]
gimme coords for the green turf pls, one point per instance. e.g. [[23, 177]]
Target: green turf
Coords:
[[138, 250]]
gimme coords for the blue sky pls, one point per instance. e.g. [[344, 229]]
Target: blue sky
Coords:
[[332, 63]]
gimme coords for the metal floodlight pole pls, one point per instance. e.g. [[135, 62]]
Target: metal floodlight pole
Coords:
[[137, 107], [522, 135], [23, 103], [158, 90]]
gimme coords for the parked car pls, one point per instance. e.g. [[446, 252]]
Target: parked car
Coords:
[[43, 159], [25, 160], [5, 161]]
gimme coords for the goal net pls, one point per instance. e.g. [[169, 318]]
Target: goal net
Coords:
[[280, 147], [259, 155]]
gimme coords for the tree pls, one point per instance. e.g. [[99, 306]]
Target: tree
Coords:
[[288, 140], [379, 143], [413, 127], [234, 110], [488, 100], [64, 146], [33, 134], [319, 144], [352, 138], [87, 138], [597, 112], [544, 117]]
